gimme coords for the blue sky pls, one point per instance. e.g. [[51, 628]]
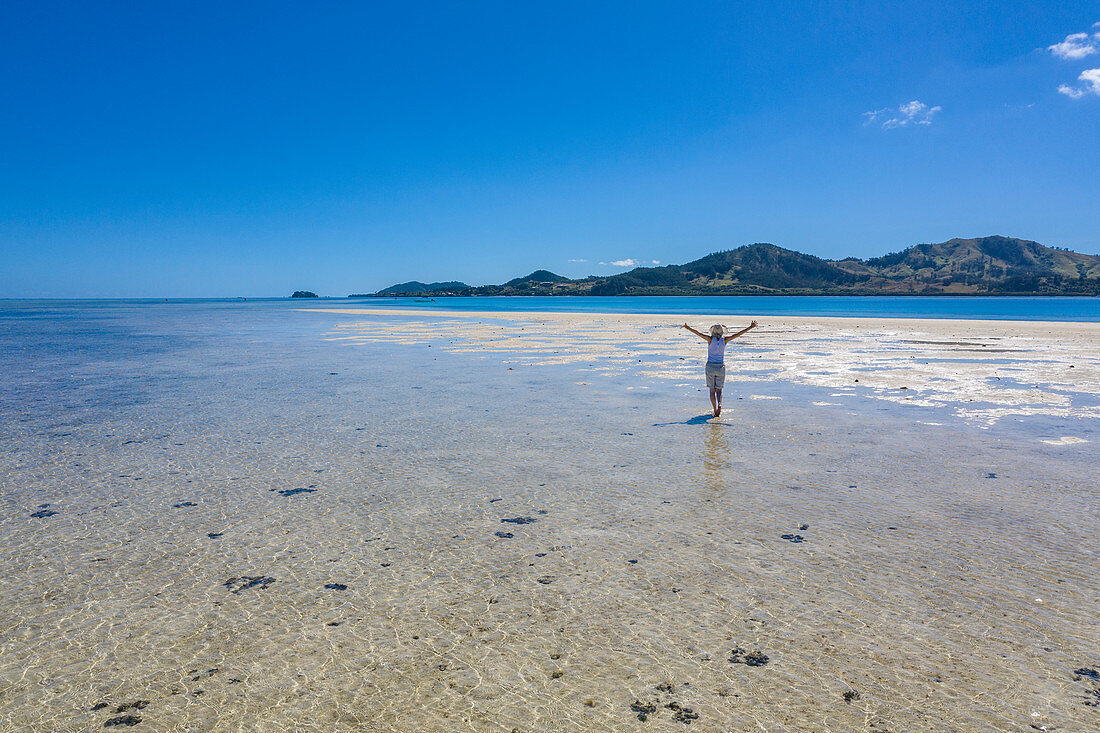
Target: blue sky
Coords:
[[222, 149]]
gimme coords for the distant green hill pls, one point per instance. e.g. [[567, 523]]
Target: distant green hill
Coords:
[[983, 266], [415, 287]]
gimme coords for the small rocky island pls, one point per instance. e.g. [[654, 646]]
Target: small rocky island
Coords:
[[303, 294]]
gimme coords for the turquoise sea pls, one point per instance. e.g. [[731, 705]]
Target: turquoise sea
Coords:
[[977, 308], [1079, 309]]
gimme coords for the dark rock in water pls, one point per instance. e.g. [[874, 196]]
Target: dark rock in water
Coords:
[[248, 581], [681, 714], [122, 720], [643, 709], [334, 623], [99, 706], [182, 504], [540, 554], [214, 535], [384, 564], [520, 520], [292, 492], [541, 511], [136, 705], [666, 687], [632, 562], [493, 501], [850, 695], [1087, 672], [557, 674], [803, 527], [43, 513], [795, 538], [752, 659], [546, 580], [504, 535], [335, 586]]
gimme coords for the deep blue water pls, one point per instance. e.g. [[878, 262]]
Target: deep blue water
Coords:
[[1083, 309]]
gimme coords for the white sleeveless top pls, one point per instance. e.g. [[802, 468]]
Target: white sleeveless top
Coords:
[[716, 350]]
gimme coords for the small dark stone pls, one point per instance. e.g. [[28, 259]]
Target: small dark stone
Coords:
[[991, 475], [493, 501], [632, 562], [214, 535], [850, 695], [681, 714], [122, 720], [385, 564], [541, 511], [520, 520], [292, 492], [334, 623], [756, 659], [540, 554], [1087, 672], [99, 706], [643, 709], [752, 659], [665, 687], [182, 504], [546, 580], [136, 705], [248, 581], [795, 538], [504, 535], [803, 527], [335, 586], [43, 513], [557, 674]]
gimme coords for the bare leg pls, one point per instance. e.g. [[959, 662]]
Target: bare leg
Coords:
[[714, 401], [718, 409]]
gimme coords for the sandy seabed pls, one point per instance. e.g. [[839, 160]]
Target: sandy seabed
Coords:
[[405, 521]]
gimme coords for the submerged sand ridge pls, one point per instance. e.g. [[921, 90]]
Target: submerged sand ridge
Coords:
[[280, 533], [983, 370]]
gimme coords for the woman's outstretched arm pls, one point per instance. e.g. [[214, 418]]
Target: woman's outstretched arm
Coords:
[[697, 333], [741, 332]]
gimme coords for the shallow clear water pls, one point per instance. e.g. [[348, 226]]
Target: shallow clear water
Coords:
[[203, 471]]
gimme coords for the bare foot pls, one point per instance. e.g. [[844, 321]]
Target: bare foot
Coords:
[[718, 411]]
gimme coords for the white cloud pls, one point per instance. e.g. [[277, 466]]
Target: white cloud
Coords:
[[656, 262], [1077, 45], [578, 260], [628, 262], [910, 113], [1090, 84]]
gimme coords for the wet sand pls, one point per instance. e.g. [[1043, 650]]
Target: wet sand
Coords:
[[359, 523]]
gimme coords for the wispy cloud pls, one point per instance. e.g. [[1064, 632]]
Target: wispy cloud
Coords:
[[656, 262], [628, 262], [1078, 45], [1090, 84], [578, 260], [910, 113]]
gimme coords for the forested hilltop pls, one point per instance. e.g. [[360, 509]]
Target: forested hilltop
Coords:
[[983, 266]]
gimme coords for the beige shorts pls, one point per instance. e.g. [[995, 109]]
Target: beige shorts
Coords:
[[716, 375]]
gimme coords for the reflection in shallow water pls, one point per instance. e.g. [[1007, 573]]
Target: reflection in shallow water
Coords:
[[250, 527]]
